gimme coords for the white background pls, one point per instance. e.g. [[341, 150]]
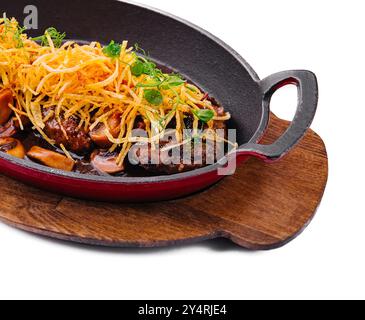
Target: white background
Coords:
[[327, 261]]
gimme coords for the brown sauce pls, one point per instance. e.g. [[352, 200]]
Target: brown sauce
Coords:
[[83, 165]]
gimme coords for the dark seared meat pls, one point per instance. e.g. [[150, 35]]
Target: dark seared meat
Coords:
[[77, 140], [172, 161]]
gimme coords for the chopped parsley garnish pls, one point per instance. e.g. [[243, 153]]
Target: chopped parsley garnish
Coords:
[[204, 115], [56, 36], [138, 68], [112, 50], [143, 66], [154, 97]]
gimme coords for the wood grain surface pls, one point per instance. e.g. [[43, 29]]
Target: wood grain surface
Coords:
[[263, 206]]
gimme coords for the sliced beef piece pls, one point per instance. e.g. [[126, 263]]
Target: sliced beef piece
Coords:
[[207, 156], [173, 160], [77, 140]]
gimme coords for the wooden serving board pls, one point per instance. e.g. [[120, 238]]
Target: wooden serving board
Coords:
[[263, 206]]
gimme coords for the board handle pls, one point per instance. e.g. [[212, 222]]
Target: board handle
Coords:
[[307, 85]]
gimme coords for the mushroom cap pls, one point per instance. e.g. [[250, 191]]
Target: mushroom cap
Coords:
[[12, 147], [106, 162]]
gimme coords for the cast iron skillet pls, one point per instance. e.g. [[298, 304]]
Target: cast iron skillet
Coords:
[[194, 53]]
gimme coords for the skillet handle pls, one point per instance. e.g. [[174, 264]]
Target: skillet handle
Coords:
[[307, 105]]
